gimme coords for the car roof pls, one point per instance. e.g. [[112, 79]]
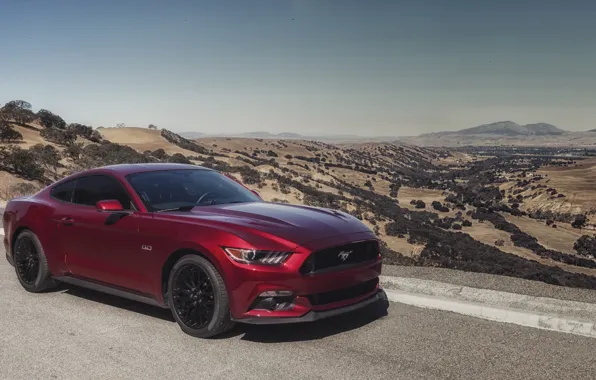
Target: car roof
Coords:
[[122, 170], [126, 169]]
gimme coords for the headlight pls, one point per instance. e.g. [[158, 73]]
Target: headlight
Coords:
[[254, 256]]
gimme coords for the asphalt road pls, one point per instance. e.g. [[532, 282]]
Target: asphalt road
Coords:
[[78, 334]]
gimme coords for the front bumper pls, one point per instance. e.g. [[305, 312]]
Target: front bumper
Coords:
[[311, 316]]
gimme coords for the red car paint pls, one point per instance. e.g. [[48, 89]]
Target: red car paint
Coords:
[[134, 253]]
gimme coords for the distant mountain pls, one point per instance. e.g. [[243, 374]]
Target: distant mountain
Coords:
[[192, 135], [544, 129], [290, 136], [505, 128]]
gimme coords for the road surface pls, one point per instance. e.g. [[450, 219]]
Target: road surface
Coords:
[[75, 334]]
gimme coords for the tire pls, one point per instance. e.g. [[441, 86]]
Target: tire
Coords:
[[31, 265], [198, 298]]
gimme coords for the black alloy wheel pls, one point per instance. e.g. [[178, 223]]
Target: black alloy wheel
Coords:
[[193, 296], [198, 298], [26, 260]]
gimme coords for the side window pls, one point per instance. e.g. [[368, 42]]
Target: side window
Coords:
[[63, 192], [90, 190]]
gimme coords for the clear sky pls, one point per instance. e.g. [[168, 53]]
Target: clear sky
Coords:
[[326, 67]]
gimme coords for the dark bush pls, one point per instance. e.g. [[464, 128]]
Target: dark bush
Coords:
[[58, 136], [73, 151], [97, 155], [182, 142], [48, 158], [179, 158], [159, 154], [249, 176], [395, 229], [84, 131], [579, 221], [586, 246], [439, 207], [50, 120], [18, 111], [8, 134], [20, 162]]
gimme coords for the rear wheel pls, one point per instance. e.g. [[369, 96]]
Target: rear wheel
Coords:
[[31, 264], [198, 297]]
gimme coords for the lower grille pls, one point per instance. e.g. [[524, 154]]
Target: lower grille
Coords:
[[343, 294], [341, 256]]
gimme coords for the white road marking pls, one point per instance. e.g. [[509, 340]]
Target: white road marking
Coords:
[[493, 298], [557, 323]]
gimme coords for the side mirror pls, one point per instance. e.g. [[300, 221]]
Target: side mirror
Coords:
[[109, 205]]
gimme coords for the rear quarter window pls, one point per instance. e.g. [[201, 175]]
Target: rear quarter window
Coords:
[[63, 192]]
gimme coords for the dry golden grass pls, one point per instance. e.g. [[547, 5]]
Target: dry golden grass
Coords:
[[142, 139], [9, 186], [31, 137], [577, 182], [488, 234], [561, 238], [269, 194], [406, 194], [220, 144], [459, 158]]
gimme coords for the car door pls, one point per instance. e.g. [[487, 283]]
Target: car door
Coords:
[[56, 229], [99, 251]]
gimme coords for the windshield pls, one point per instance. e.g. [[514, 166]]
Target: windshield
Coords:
[[175, 189]]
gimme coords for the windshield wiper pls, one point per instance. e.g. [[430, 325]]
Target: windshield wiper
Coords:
[[181, 208]]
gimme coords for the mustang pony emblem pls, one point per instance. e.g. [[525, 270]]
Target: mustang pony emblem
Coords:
[[343, 255]]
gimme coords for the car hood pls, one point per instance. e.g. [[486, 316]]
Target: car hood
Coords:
[[299, 224]]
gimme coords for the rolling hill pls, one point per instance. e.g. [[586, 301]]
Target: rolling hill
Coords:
[[429, 206]]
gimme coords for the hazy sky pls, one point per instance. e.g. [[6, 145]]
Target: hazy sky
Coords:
[[326, 67]]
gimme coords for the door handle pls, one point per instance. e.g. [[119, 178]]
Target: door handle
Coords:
[[67, 221]]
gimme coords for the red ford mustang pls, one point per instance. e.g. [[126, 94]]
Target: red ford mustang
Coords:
[[195, 241]]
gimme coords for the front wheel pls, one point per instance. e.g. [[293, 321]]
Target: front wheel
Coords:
[[198, 297]]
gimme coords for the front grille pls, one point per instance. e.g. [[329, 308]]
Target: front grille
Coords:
[[341, 256], [344, 294]]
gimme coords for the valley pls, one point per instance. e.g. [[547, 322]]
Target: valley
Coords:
[[510, 211]]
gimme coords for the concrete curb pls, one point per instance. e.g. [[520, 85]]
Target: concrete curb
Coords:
[[539, 312]]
